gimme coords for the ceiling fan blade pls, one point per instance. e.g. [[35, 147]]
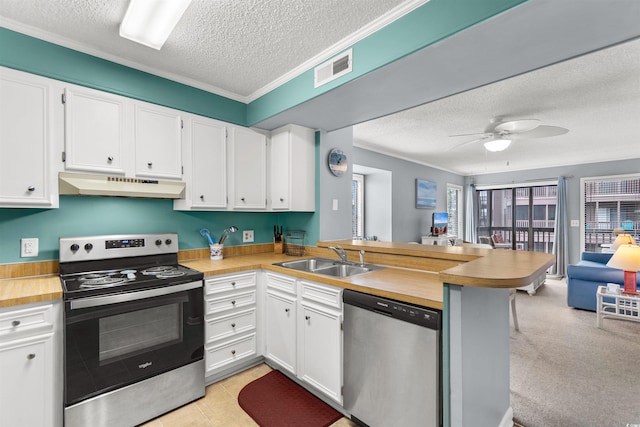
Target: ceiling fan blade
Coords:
[[485, 137], [517, 126], [540, 132], [482, 134]]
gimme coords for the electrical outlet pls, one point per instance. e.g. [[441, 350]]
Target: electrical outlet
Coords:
[[29, 247], [247, 236]]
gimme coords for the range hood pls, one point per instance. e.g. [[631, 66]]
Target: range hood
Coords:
[[118, 186]]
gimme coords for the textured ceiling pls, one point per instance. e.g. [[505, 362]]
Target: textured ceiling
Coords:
[[596, 97], [231, 47]]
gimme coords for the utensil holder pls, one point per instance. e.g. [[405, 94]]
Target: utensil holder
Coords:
[[216, 251], [278, 247]]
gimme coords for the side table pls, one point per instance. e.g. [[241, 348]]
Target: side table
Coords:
[[620, 306]]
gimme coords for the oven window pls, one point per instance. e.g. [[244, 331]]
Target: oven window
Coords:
[[139, 331]]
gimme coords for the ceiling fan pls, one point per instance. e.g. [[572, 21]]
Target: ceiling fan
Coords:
[[499, 134]]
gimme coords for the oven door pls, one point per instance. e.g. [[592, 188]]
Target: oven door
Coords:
[[115, 340]]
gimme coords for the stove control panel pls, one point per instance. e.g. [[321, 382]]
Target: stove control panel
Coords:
[[116, 246], [124, 243]]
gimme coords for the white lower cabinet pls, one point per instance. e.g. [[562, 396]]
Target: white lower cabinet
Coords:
[[280, 325], [230, 321], [303, 331], [320, 349], [31, 365]]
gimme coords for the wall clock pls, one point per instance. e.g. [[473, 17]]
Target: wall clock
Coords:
[[337, 162]]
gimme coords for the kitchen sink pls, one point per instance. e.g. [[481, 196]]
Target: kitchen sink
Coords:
[[329, 267], [308, 265]]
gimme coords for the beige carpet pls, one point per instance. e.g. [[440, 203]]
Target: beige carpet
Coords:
[[565, 371]]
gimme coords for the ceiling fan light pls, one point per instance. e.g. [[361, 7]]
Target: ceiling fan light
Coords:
[[497, 144], [149, 22]]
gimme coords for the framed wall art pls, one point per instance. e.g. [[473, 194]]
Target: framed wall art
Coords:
[[426, 194]]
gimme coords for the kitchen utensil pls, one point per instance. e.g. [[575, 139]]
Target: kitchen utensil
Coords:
[[206, 233], [226, 233]]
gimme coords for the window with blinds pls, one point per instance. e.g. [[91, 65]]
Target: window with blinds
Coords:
[[609, 203], [455, 210], [357, 206]]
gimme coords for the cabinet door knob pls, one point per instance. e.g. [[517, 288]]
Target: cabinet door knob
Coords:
[[31, 356], [202, 197], [233, 325], [15, 323], [281, 199], [110, 159], [307, 317], [31, 188], [233, 283], [286, 310], [233, 352], [242, 198], [233, 302], [149, 164]]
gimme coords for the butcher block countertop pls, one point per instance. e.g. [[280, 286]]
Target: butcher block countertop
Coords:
[[417, 287], [25, 290], [416, 273]]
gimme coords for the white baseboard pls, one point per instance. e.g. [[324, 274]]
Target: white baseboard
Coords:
[[507, 420]]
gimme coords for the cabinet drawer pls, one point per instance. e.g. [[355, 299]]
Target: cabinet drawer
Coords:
[[230, 351], [216, 285], [228, 302], [283, 283], [34, 319], [230, 325], [323, 294]]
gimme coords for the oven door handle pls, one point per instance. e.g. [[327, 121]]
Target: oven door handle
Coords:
[[131, 296]]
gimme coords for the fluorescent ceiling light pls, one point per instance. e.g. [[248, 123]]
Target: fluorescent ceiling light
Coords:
[[149, 22], [497, 144]]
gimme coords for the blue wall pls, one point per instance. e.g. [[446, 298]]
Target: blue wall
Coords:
[[426, 25], [81, 216], [50, 60]]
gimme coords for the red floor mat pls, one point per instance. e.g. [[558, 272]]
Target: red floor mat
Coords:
[[275, 401]]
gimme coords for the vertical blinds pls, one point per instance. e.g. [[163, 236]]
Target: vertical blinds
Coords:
[[610, 203]]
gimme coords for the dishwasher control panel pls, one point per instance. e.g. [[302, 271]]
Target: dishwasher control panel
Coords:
[[427, 317]]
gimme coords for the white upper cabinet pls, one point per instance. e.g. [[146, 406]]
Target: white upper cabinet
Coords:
[[158, 134], [95, 133], [28, 135], [292, 169], [205, 164], [248, 161]]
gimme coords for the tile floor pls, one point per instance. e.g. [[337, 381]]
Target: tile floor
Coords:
[[219, 407]]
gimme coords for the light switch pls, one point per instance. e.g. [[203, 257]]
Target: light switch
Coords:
[[335, 204], [575, 223]]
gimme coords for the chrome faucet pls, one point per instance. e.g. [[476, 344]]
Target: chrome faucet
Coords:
[[341, 253], [361, 258]]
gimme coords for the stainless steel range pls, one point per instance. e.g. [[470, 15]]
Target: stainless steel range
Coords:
[[134, 329]]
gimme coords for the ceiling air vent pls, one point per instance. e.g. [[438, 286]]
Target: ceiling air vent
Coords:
[[333, 68]]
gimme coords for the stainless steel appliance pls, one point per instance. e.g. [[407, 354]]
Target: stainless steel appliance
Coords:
[[392, 362], [133, 329]]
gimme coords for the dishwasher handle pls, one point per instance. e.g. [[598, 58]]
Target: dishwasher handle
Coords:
[[422, 316]]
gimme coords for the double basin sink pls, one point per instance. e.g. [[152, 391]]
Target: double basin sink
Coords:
[[329, 267]]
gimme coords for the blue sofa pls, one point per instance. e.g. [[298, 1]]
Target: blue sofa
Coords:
[[584, 278]]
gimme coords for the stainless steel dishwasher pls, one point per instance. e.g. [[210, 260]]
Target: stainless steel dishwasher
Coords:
[[392, 362]]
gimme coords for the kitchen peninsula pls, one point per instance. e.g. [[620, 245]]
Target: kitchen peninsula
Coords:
[[475, 287]]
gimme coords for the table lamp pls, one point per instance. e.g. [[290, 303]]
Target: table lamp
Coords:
[[627, 258], [622, 239]]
